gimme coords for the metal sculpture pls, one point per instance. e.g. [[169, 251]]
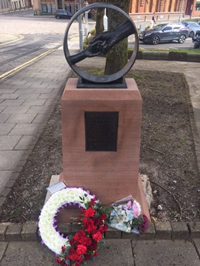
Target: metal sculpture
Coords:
[[101, 44]]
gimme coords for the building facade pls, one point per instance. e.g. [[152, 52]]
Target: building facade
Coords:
[[142, 9], [42, 7], [5, 5], [188, 7], [11, 5], [20, 4]]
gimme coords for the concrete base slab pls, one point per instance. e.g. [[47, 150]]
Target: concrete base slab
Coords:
[[165, 253]]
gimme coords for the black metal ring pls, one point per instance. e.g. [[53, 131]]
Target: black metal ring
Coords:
[[104, 78]]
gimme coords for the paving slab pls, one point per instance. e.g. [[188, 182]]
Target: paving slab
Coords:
[[3, 247], [197, 245], [116, 252], [12, 102], [26, 143], [165, 253], [15, 109], [6, 128], [4, 117], [22, 118], [8, 142], [24, 129], [9, 160], [27, 254], [5, 176]]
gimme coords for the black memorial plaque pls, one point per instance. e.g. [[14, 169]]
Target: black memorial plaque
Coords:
[[101, 131]]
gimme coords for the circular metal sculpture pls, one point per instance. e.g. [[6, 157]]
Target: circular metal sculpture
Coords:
[[101, 44]]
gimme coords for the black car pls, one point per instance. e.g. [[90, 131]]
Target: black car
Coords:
[[165, 33], [61, 13]]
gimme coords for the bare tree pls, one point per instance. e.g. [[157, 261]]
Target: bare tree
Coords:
[[117, 57]]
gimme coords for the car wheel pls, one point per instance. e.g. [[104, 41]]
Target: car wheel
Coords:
[[192, 34], [155, 40], [181, 39], [57, 17], [196, 45]]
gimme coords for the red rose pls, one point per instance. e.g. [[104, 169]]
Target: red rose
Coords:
[[82, 210], [92, 202], [103, 228], [88, 241], [81, 233], [103, 216], [87, 257], [63, 263], [74, 257], [85, 241], [63, 248], [58, 260], [95, 254], [81, 249], [93, 246], [79, 219], [71, 251], [97, 220], [85, 220], [71, 241], [89, 212], [78, 235], [97, 236]]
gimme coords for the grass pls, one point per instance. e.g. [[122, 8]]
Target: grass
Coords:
[[190, 51]]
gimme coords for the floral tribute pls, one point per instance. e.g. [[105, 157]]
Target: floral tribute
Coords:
[[126, 216], [94, 220], [84, 244]]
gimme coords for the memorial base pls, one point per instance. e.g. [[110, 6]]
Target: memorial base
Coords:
[[101, 130]]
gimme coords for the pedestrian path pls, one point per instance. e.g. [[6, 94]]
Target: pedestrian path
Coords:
[[116, 252], [27, 100]]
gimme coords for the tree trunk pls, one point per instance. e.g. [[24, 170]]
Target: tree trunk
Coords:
[[117, 57], [99, 20]]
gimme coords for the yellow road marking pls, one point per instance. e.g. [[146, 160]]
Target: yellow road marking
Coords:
[[20, 37], [25, 64]]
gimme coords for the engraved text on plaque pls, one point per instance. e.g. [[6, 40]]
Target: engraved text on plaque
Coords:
[[101, 131]]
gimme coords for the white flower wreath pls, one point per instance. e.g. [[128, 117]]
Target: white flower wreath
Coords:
[[50, 237]]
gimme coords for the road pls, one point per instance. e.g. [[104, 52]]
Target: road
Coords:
[[188, 44], [42, 34], [31, 46]]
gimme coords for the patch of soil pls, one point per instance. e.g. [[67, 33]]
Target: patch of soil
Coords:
[[167, 154]]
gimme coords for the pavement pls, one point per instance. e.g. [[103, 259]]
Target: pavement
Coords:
[[27, 100]]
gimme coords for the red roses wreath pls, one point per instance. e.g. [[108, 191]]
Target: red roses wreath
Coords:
[[84, 244]]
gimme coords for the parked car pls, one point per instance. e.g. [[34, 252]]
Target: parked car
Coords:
[[61, 13], [192, 26], [165, 33]]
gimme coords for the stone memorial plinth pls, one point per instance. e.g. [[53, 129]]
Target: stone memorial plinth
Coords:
[[101, 130]]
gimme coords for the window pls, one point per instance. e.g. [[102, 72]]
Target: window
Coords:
[[197, 7], [167, 28]]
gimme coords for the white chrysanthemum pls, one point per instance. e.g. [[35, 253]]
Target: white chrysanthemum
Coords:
[[51, 238]]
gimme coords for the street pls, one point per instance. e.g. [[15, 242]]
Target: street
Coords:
[[44, 33], [41, 34]]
